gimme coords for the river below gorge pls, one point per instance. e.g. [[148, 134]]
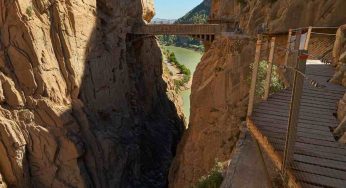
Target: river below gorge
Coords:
[[190, 58]]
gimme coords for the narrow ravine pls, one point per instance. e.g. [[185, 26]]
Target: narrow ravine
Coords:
[[190, 58]]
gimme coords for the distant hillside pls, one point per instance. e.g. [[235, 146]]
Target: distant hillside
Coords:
[[198, 15]]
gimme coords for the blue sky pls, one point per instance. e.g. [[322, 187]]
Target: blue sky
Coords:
[[173, 9]]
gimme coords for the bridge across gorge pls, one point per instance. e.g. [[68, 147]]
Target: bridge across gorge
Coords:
[[178, 29], [206, 32]]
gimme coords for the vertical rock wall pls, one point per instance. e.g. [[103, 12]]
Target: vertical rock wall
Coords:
[[339, 55], [218, 104], [80, 104]]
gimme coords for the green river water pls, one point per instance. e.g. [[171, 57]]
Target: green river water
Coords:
[[190, 59]]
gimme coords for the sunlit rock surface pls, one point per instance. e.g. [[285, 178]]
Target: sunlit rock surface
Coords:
[[339, 59], [81, 103]]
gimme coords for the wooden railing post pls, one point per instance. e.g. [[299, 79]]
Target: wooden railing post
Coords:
[[269, 69], [297, 91], [292, 60], [254, 76], [287, 55], [288, 46], [307, 40]]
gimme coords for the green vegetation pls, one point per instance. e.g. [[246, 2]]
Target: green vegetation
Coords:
[[213, 179], [29, 11], [276, 83], [198, 15], [182, 69], [182, 82], [190, 59], [242, 2]]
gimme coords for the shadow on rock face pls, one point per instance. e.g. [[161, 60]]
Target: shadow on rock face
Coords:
[[81, 105], [131, 128]]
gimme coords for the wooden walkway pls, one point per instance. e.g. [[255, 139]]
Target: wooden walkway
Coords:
[[319, 160]]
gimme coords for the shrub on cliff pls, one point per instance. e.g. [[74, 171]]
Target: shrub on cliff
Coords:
[[213, 179], [182, 68], [170, 56], [29, 11], [276, 84]]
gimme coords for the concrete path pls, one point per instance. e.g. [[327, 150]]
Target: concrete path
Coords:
[[246, 169]]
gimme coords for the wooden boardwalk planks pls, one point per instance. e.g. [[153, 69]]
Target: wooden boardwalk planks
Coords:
[[319, 161]]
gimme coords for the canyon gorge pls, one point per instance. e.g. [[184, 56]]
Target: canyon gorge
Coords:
[[220, 85], [85, 103]]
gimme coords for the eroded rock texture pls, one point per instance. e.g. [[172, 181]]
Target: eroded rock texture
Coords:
[[81, 103], [280, 15], [2, 183], [340, 131], [220, 83], [339, 55], [218, 105]]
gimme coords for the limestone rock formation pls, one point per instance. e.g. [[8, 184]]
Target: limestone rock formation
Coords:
[[2, 183], [340, 131], [218, 104], [148, 9], [339, 56], [173, 92], [219, 88], [280, 15], [82, 103]]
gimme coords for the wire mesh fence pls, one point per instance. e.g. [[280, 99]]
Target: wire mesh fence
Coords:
[[299, 151]]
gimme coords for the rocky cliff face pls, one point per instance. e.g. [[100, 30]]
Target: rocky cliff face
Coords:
[[339, 56], [2, 183], [220, 83], [280, 15], [218, 103], [81, 103]]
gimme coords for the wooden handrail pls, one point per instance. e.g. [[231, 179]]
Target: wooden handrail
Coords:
[[254, 77], [269, 69], [307, 40], [297, 91]]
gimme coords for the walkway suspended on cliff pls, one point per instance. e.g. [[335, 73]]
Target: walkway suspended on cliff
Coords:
[[294, 126]]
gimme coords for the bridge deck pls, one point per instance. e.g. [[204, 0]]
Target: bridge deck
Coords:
[[178, 29], [319, 161]]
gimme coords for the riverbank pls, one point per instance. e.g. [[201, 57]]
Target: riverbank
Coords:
[[190, 58]]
